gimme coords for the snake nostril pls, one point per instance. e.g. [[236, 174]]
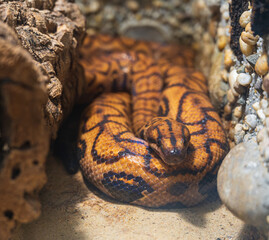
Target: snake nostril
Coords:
[[175, 152]]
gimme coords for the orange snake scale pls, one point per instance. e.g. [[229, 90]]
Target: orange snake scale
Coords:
[[150, 137]]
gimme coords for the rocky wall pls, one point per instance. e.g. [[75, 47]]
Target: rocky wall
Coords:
[[243, 179]]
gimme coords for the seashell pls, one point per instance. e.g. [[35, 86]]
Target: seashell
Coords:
[[248, 28], [261, 66], [245, 48], [248, 38], [244, 18]]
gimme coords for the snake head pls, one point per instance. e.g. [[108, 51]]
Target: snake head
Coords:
[[168, 138]]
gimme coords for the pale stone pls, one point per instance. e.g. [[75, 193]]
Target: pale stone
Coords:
[[243, 185]]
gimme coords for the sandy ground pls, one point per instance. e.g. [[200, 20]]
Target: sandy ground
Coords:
[[71, 211]]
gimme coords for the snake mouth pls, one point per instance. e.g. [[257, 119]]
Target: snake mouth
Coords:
[[173, 157]]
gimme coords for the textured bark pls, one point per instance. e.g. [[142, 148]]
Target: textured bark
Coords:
[[40, 80]]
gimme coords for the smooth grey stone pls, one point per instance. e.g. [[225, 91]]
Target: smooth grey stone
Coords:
[[243, 185]]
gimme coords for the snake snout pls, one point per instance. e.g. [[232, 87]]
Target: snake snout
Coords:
[[174, 156]]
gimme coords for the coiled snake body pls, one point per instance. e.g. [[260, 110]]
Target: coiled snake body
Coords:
[[152, 138]]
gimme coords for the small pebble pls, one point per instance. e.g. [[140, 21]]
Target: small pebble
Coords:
[[228, 58], [230, 96], [157, 4], [264, 103], [224, 75], [259, 128], [226, 15], [227, 109], [222, 41], [92, 7], [256, 106], [238, 112], [239, 133], [132, 5], [244, 18], [238, 127], [258, 83], [5, 148], [265, 84], [232, 79], [261, 66], [245, 127], [251, 120], [261, 114], [267, 123], [246, 49], [266, 154], [261, 134], [266, 112], [243, 79], [247, 137], [173, 21], [241, 69], [241, 100]]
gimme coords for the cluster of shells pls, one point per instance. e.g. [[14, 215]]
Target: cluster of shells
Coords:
[[248, 80]]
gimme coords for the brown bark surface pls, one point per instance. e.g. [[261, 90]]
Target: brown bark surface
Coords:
[[40, 80]]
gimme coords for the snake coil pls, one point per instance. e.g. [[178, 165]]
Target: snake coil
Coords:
[[152, 137]]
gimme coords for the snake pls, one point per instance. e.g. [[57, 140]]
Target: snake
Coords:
[[149, 135]]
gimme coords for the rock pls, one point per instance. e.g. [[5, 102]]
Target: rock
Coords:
[[252, 59], [132, 5], [251, 120], [93, 7], [243, 185], [146, 29]]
